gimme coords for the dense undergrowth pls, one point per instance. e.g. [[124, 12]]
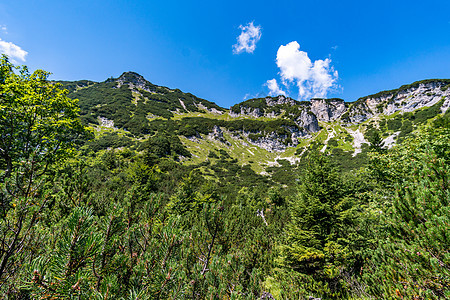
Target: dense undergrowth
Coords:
[[84, 222]]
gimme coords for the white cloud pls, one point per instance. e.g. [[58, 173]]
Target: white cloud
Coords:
[[4, 28], [323, 77], [246, 41], [13, 51], [275, 90], [313, 79]]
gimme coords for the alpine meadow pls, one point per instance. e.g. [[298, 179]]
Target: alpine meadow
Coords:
[[238, 150]]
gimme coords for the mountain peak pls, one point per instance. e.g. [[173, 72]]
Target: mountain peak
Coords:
[[131, 77], [134, 79]]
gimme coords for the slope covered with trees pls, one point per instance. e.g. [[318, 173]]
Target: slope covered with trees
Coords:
[[91, 214]]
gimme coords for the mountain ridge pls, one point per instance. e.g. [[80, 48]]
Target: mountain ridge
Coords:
[[141, 83], [129, 109]]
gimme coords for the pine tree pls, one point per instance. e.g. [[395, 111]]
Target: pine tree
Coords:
[[412, 259], [66, 271], [376, 142], [315, 247]]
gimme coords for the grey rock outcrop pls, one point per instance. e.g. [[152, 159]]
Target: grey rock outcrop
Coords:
[[217, 135], [327, 110], [271, 142], [308, 120], [248, 111], [134, 80], [280, 100], [274, 142], [405, 99]]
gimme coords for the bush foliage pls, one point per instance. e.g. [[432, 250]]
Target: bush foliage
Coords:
[[123, 218]]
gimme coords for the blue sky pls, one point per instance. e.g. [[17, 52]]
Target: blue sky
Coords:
[[344, 49]]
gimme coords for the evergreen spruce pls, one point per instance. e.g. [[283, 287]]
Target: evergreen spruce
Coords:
[[315, 246]]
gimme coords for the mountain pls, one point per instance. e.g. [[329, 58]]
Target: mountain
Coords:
[[261, 132], [175, 197], [129, 102]]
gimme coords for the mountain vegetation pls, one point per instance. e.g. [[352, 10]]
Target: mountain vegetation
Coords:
[[123, 189]]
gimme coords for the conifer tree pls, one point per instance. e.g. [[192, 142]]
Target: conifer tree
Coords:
[[66, 272], [412, 259], [315, 247], [376, 142]]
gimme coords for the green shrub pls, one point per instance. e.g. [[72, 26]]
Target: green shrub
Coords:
[[427, 113], [394, 124]]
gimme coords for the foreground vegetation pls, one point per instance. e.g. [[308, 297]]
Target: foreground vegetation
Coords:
[[88, 223]]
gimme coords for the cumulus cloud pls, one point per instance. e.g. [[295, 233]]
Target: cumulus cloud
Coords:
[[274, 88], [313, 79], [4, 28], [246, 41], [13, 51]]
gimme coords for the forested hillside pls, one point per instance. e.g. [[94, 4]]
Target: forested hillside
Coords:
[[123, 189]]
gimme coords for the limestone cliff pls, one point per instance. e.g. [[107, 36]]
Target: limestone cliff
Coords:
[[407, 98], [275, 107], [327, 110]]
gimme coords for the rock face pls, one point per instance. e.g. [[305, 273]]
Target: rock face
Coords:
[[273, 107], [104, 122], [304, 114], [280, 100], [217, 135], [134, 80], [307, 120], [210, 109], [405, 99], [248, 111], [327, 110], [273, 142]]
